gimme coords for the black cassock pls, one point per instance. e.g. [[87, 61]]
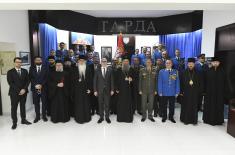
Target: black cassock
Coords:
[[216, 91], [80, 85], [124, 104], [191, 93], [70, 100], [59, 96]]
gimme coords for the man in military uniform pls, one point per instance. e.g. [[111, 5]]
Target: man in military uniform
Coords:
[[168, 88], [147, 89], [164, 56], [157, 99], [142, 56], [178, 62]]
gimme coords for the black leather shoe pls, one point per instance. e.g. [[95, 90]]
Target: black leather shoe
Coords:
[[164, 120], [45, 119], [36, 120], [172, 120], [100, 120], [143, 119], [14, 126], [108, 120], [25, 122], [151, 119]]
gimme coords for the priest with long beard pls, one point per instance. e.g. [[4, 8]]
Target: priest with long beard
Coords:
[[124, 90], [59, 94], [81, 82]]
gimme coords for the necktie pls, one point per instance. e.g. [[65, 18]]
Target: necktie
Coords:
[[19, 72], [39, 69], [83, 78], [104, 72]]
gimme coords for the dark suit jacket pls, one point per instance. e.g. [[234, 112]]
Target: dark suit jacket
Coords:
[[36, 78], [101, 83], [17, 82]]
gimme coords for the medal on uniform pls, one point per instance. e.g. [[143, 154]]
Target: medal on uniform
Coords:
[[191, 82]]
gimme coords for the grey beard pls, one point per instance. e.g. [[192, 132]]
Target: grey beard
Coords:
[[59, 70], [125, 68]]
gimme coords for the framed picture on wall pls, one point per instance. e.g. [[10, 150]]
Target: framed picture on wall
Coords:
[[25, 57], [106, 52], [6, 61], [148, 49]]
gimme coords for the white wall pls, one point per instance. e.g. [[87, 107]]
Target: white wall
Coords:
[[13, 29], [63, 36], [149, 41], [105, 40], [211, 21]]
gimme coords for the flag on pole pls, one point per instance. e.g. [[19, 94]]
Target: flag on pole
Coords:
[[121, 44]]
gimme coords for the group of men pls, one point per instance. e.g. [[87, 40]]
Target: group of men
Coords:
[[147, 84]]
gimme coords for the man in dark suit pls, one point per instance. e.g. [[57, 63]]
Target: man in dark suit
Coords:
[[62, 52], [38, 78], [18, 81], [104, 89], [93, 98]]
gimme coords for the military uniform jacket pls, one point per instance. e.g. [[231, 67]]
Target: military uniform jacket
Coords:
[[148, 80], [168, 82]]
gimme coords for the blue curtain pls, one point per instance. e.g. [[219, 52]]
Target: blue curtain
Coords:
[[48, 39], [188, 43]]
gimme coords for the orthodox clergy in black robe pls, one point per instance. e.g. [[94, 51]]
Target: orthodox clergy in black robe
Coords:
[[59, 94], [216, 92], [81, 88], [51, 69], [68, 68], [124, 89], [191, 89]]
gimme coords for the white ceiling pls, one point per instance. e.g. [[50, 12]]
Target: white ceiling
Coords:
[[117, 5], [132, 13]]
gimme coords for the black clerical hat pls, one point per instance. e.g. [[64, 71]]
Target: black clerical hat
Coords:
[[51, 57], [191, 60], [82, 57], [215, 59], [125, 57], [59, 61], [67, 59]]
